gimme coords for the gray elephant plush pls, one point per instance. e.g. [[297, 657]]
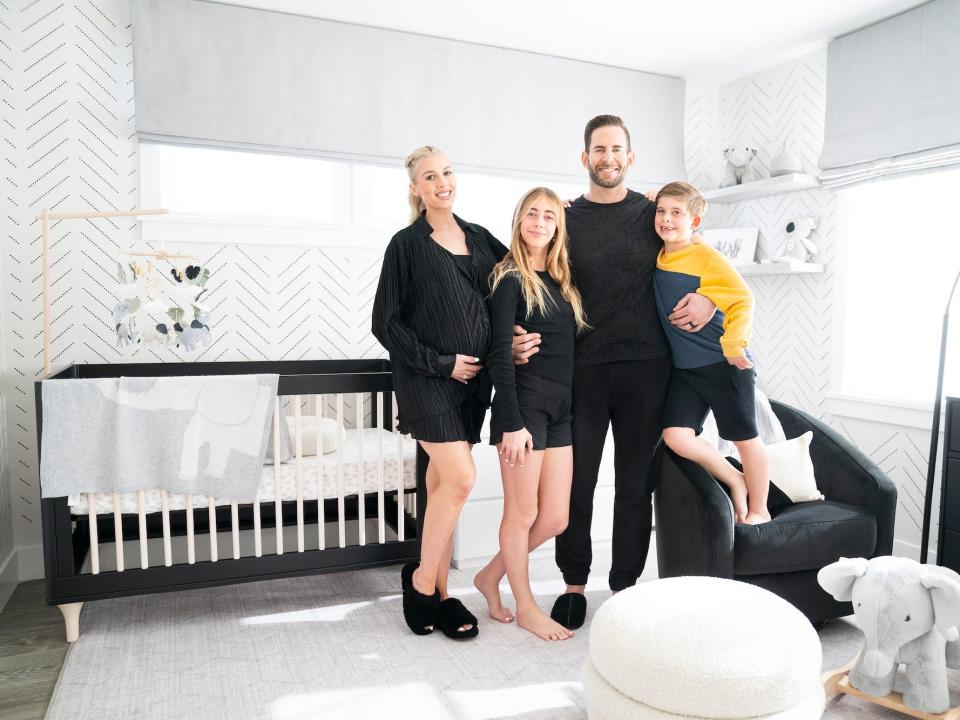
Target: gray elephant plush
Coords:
[[909, 615]]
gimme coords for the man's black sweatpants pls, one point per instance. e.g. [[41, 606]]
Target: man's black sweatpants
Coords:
[[629, 395]]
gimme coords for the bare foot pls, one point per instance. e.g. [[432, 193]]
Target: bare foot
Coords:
[[738, 494], [541, 625], [754, 518], [489, 587]]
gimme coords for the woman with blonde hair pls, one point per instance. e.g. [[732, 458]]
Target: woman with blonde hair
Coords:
[[531, 420], [430, 313]]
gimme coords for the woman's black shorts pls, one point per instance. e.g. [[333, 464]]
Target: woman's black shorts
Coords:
[[720, 387], [461, 422], [545, 409]]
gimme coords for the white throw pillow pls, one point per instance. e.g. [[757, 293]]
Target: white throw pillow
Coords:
[[329, 435], [791, 468]]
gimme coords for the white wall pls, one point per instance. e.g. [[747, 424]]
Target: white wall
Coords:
[[795, 328]]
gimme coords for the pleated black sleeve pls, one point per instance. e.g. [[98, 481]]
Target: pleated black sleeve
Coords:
[[390, 329]]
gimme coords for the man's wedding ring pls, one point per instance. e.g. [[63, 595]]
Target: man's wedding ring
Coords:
[[691, 325]]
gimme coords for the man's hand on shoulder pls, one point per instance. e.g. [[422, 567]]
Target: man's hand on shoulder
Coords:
[[692, 312], [524, 345]]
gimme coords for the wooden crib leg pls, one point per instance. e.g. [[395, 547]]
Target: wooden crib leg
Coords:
[[71, 618]]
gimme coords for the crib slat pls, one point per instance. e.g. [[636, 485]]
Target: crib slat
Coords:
[[94, 541], [142, 518], [361, 495], [400, 526], [191, 549], [118, 531], [212, 510], [165, 514], [277, 501], [381, 525], [298, 446], [257, 537], [341, 510], [319, 401], [235, 529]]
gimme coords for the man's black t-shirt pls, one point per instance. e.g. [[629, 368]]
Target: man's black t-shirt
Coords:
[[613, 255]]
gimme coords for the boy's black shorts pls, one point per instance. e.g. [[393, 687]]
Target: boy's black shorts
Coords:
[[545, 406], [720, 387]]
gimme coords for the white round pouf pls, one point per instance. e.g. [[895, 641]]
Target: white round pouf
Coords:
[[605, 702], [704, 647]]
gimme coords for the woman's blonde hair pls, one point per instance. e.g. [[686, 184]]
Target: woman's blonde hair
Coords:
[[413, 159], [517, 261]]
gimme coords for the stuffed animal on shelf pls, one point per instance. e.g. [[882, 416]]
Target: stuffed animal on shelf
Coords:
[[738, 165], [798, 246], [909, 615]]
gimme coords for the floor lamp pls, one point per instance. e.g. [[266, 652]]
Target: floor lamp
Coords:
[[935, 430]]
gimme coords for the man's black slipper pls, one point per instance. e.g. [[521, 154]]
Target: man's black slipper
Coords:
[[570, 610]]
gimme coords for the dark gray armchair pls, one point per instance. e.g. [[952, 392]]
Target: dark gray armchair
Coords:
[[696, 534]]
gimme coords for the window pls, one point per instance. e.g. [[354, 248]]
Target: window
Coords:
[[902, 254], [228, 188]]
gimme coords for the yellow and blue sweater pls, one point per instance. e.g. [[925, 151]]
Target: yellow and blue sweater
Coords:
[[701, 269]]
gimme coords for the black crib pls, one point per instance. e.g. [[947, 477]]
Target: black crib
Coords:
[[67, 537]]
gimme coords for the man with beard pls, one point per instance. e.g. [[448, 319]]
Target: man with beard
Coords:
[[621, 366]]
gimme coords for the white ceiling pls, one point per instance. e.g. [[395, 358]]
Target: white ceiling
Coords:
[[696, 39]]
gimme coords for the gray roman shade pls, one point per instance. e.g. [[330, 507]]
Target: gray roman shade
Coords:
[[228, 76], [893, 97]]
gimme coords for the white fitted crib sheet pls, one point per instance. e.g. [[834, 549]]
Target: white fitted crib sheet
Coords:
[[352, 481]]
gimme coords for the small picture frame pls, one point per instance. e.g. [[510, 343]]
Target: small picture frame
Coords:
[[738, 245]]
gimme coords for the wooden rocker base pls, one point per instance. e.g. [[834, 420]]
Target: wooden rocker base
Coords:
[[837, 682]]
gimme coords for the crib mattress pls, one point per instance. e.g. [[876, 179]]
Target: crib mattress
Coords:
[[320, 479]]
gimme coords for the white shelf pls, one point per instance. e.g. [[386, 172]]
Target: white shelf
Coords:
[[779, 268], [794, 182]]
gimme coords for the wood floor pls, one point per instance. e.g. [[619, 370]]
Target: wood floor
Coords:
[[32, 650]]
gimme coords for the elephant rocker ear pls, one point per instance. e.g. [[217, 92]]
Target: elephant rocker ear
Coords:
[[944, 586], [838, 578]]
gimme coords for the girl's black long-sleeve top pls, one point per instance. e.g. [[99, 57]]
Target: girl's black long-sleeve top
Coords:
[[555, 357], [429, 308]]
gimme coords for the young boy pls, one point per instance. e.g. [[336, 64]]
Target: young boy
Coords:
[[712, 369]]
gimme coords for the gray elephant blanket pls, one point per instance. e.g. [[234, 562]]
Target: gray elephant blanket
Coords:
[[204, 435]]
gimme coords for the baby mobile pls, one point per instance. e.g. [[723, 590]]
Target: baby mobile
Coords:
[[167, 303]]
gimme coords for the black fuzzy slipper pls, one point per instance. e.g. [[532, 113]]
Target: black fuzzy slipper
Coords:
[[452, 615], [570, 610], [419, 611]]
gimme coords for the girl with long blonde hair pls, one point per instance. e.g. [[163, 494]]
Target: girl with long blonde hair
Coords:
[[531, 421]]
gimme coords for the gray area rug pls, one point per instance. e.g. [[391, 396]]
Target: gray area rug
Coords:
[[335, 646]]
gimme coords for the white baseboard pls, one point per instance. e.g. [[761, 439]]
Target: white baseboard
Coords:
[[30, 562], [9, 577], [545, 550], [909, 550]]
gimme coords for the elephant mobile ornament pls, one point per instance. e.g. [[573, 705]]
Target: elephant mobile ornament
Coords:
[[184, 321], [909, 614]]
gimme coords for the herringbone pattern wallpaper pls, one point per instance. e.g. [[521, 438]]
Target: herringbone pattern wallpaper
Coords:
[[67, 114], [793, 317]]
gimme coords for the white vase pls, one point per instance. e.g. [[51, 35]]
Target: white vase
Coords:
[[785, 162]]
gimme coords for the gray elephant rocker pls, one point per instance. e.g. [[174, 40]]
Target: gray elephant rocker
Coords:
[[909, 615]]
